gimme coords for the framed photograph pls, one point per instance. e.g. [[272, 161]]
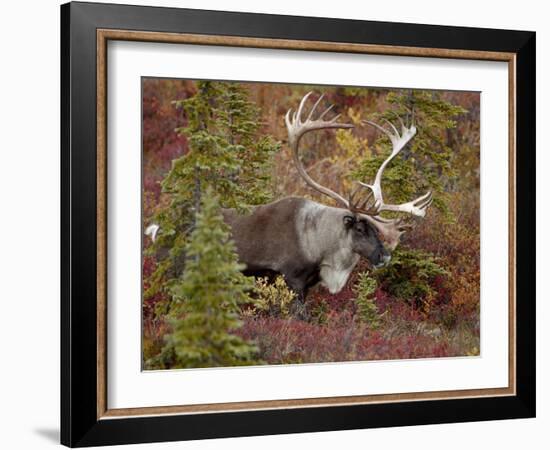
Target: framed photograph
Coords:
[[276, 224]]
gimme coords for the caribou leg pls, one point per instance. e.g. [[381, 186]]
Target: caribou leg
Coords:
[[299, 308], [300, 287]]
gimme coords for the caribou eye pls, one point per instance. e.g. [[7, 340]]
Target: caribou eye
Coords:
[[349, 221], [365, 230]]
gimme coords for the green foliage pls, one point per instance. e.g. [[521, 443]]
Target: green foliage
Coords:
[[367, 310], [273, 299], [208, 299], [425, 164], [410, 276], [237, 119], [225, 151], [319, 312], [352, 91], [351, 145], [224, 154]]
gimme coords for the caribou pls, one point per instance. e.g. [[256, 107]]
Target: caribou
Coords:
[[309, 242]]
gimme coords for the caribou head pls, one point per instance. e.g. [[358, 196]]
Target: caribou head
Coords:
[[371, 234]]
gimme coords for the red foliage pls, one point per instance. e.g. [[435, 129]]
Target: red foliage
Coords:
[[458, 247], [343, 300], [284, 341], [161, 144]]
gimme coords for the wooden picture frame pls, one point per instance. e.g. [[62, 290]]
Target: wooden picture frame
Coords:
[[85, 416]]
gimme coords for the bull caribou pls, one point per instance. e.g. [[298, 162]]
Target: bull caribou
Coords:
[[308, 242]]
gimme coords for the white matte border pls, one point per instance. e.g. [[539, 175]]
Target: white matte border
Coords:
[[128, 386]]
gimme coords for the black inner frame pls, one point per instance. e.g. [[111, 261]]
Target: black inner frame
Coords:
[[79, 423]]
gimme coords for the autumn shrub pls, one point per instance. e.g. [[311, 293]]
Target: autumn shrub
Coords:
[[457, 246], [272, 299], [154, 331], [291, 341], [411, 275], [160, 144], [319, 297], [150, 302]]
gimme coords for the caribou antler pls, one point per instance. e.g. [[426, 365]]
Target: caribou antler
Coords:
[[415, 207], [373, 203], [297, 127]]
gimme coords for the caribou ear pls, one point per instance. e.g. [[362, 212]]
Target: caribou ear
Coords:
[[349, 221]]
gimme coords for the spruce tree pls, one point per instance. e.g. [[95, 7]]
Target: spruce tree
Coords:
[[238, 121], [208, 298], [367, 310], [226, 154]]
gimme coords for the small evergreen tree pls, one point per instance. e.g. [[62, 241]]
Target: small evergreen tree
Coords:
[[367, 311], [411, 276], [237, 120], [208, 298], [224, 154]]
